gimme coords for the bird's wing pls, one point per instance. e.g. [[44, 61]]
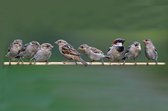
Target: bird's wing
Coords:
[[109, 48], [127, 50], [24, 48], [68, 49], [95, 50]]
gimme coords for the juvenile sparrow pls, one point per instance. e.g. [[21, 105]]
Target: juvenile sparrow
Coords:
[[93, 53], [133, 51], [14, 49], [116, 51], [29, 50], [44, 53], [69, 52], [150, 50]]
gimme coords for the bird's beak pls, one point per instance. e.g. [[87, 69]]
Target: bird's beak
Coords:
[[38, 44], [123, 40], [52, 46], [80, 49], [144, 41], [56, 42]]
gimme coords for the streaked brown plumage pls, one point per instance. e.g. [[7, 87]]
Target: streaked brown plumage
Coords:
[[69, 52]]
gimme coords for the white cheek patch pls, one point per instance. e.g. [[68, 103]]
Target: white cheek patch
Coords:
[[139, 47], [119, 44]]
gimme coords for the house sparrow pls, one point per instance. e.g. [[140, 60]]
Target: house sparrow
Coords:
[[44, 53], [150, 50], [116, 51], [92, 52], [29, 50], [69, 52], [14, 49], [133, 51]]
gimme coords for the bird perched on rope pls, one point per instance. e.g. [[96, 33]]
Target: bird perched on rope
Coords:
[[14, 50], [150, 50], [116, 51], [29, 50], [93, 53], [69, 52], [133, 51], [44, 53]]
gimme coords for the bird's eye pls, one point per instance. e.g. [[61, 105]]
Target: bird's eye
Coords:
[[136, 44]]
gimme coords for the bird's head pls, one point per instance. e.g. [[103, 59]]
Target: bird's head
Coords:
[[147, 41], [46, 46], [137, 45], [83, 47], [118, 42], [35, 43], [61, 42], [18, 42]]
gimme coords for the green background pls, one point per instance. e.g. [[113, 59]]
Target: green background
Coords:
[[78, 88]]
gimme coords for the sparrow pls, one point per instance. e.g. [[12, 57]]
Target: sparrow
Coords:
[[150, 51], [116, 51], [93, 53], [133, 51], [69, 52], [29, 50], [14, 50], [44, 53]]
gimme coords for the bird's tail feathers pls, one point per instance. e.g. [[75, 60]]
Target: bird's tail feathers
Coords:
[[107, 57], [124, 58], [83, 62]]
